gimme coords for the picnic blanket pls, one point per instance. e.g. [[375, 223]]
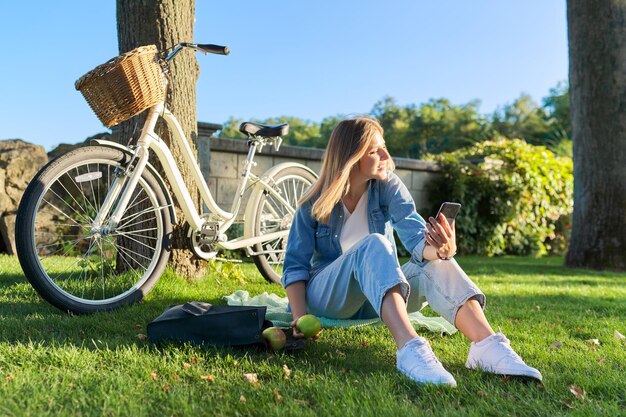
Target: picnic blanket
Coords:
[[277, 313]]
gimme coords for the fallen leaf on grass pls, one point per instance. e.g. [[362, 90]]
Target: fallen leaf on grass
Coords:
[[366, 344], [166, 388], [340, 354], [194, 360], [252, 379], [138, 325], [9, 378], [141, 336], [301, 402], [277, 396], [286, 372], [593, 341], [556, 345], [209, 378], [242, 399], [577, 391], [619, 336], [482, 394], [601, 360], [154, 375], [186, 365]]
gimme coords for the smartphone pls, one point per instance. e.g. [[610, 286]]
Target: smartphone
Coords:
[[449, 210]]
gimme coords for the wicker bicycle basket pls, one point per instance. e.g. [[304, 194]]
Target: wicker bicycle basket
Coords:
[[124, 86]]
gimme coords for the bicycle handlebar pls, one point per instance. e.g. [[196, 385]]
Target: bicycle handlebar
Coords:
[[213, 49], [206, 48]]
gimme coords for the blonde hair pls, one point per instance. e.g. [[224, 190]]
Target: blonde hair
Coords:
[[349, 141]]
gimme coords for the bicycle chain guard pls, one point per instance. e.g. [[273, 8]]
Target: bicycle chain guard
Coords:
[[202, 241]]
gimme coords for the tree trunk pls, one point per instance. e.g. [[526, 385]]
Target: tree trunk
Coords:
[[165, 23], [597, 53]]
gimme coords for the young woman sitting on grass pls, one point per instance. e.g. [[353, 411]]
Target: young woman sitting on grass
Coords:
[[341, 259]]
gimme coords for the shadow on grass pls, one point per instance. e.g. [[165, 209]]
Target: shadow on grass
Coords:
[[511, 265], [25, 317]]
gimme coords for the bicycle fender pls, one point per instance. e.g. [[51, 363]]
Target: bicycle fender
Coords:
[[258, 191], [273, 170], [151, 168]]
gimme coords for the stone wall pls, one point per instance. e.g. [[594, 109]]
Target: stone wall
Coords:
[[221, 163]]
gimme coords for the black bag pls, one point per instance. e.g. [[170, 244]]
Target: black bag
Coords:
[[205, 324]]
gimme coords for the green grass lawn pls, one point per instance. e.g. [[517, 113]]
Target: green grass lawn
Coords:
[[55, 364]]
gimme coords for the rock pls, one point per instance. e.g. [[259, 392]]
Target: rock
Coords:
[[19, 162], [7, 233], [64, 148]]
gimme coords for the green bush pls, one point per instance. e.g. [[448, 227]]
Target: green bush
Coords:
[[517, 198]]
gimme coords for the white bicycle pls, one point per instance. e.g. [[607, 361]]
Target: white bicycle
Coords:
[[94, 227]]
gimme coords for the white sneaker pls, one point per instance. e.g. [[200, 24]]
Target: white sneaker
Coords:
[[494, 354], [417, 361]]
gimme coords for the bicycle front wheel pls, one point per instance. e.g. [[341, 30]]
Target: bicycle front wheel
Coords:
[[80, 266], [273, 214]]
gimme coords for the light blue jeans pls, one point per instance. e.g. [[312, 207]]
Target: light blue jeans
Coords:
[[353, 286]]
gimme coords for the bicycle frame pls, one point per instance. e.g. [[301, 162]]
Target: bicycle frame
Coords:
[[149, 140]]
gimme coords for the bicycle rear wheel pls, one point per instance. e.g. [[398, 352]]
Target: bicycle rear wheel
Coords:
[[75, 265], [271, 214]]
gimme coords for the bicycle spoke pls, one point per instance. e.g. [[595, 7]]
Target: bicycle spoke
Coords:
[[101, 269], [134, 216], [270, 207], [88, 219], [61, 225], [74, 263], [126, 226], [133, 270], [80, 188], [137, 241], [56, 234], [126, 250], [129, 267], [137, 235], [59, 210], [134, 203], [131, 204], [95, 201], [75, 241]]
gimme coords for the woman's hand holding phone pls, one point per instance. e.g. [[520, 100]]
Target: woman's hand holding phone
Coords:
[[441, 235]]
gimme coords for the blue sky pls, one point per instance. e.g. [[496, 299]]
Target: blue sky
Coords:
[[288, 57]]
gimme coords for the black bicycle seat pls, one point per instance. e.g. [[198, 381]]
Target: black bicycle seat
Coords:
[[258, 129]]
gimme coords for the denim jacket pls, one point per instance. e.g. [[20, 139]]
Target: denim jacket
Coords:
[[312, 245]]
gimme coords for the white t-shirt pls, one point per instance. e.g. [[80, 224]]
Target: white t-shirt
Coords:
[[355, 225]]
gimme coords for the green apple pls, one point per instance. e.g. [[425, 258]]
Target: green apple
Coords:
[[309, 325], [275, 338]]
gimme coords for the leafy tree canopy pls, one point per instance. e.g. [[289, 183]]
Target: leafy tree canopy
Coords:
[[439, 126]]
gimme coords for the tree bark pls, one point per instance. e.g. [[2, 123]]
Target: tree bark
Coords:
[[164, 23], [597, 53]]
